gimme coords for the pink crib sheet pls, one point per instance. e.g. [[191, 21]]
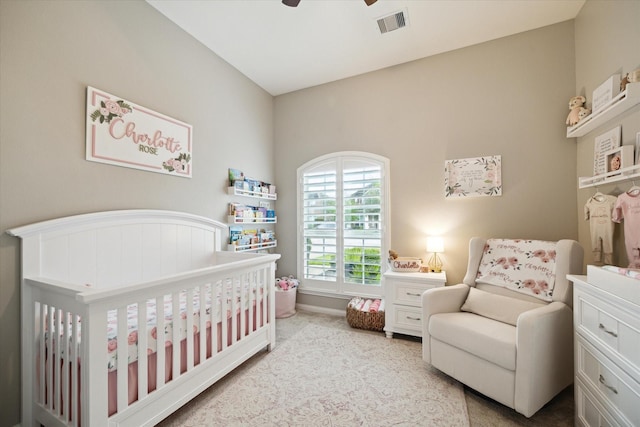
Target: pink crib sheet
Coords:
[[152, 341]]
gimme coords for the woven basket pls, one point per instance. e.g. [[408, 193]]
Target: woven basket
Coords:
[[365, 320]]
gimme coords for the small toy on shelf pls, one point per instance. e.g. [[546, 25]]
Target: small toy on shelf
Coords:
[[631, 77], [575, 104], [582, 113]]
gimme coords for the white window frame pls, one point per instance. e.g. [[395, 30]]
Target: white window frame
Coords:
[[340, 288]]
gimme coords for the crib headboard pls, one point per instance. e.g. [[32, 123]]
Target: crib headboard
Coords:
[[118, 247]]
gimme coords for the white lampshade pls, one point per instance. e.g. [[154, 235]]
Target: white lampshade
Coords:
[[435, 244]]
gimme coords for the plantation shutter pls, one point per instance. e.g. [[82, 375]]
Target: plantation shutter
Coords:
[[362, 241], [341, 218], [319, 222]]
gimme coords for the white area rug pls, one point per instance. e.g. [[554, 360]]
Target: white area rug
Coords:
[[326, 376]]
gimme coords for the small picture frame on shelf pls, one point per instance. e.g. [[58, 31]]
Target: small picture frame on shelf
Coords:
[[604, 144], [618, 158], [604, 94]]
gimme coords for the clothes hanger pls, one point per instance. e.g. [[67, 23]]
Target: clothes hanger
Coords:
[[598, 196], [634, 191]]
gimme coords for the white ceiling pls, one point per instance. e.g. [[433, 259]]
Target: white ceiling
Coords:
[[283, 49]]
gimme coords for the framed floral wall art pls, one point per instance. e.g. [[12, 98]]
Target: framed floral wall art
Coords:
[[473, 177], [122, 133]]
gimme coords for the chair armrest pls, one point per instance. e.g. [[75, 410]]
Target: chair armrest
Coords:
[[544, 355], [445, 299]]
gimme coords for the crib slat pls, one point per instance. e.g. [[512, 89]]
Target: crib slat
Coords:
[[268, 304], [49, 362], [41, 360], [160, 346], [142, 350], [213, 319], [123, 358], [255, 298], [73, 354], [204, 292], [224, 319], [234, 310], [244, 282], [175, 316], [65, 366], [261, 296], [55, 352], [189, 328]]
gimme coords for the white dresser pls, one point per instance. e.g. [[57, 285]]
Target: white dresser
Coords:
[[403, 302], [607, 349]]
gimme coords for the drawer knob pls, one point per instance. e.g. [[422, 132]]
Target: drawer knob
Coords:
[[411, 294], [604, 383], [413, 318], [601, 326]]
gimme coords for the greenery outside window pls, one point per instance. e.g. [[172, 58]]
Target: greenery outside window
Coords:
[[343, 223]]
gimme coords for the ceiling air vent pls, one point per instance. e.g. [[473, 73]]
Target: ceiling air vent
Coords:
[[392, 22]]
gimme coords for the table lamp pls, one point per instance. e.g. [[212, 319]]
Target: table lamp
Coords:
[[435, 245]]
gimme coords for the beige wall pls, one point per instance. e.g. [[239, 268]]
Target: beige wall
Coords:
[[50, 52], [607, 35], [506, 97]]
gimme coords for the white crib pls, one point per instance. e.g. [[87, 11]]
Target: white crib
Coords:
[[91, 282]]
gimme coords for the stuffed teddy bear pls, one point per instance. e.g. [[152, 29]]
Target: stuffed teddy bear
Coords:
[[575, 104], [584, 112], [632, 77]]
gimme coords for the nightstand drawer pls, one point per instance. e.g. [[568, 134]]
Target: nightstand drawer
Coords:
[[403, 299], [409, 294], [608, 383], [409, 318]]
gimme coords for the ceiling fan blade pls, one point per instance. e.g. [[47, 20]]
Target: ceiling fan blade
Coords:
[[294, 3], [370, 2]]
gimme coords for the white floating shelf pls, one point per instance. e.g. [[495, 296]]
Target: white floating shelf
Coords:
[[622, 175], [233, 191], [240, 220], [252, 247], [625, 100]]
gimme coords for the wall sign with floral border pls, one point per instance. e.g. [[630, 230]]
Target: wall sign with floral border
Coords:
[[122, 133], [472, 177]]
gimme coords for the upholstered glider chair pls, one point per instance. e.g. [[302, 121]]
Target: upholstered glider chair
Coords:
[[507, 331]]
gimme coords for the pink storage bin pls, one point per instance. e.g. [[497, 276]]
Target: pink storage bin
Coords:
[[285, 303]]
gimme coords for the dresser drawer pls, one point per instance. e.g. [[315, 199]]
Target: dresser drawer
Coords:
[[608, 383], [589, 413], [616, 330], [408, 318]]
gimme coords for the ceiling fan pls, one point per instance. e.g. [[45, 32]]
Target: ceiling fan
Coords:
[[294, 3]]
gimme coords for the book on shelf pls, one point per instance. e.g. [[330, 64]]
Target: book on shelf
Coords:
[[235, 175], [235, 233]]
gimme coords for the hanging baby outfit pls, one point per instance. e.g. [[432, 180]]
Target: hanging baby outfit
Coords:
[[598, 211], [628, 208]]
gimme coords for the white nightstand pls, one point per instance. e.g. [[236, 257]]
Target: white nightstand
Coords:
[[403, 300]]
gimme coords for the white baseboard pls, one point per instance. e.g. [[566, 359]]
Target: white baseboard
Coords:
[[322, 310]]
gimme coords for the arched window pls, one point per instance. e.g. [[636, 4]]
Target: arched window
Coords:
[[343, 223]]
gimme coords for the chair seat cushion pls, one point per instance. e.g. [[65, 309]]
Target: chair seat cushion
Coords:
[[483, 337]]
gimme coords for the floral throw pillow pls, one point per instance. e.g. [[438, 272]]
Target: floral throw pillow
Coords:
[[526, 266]]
